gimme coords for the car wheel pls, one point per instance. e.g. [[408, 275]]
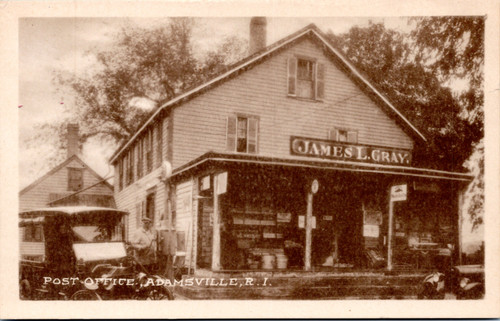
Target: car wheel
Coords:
[[85, 295], [157, 293], [25, 290]]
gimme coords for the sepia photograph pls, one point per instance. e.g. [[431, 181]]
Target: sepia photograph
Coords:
[[251, 158]]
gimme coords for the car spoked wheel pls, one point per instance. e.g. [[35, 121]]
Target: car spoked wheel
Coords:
[[154, 293], [25, 290], [161, 293], [85, 295]]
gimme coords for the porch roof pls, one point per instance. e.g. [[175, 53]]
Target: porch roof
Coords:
[[329, 165]]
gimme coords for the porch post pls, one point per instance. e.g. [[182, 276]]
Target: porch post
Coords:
[[389, 235], [194, 225], [460, 210], [216, 229], [307, 259]]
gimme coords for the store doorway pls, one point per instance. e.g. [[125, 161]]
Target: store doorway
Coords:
[[337, 238], [205, 231]]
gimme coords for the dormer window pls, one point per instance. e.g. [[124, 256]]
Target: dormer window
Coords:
[[306, 78]]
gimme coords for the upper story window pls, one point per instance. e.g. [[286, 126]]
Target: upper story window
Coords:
[[343, 135], [130, 167], [159, 139], [149, 151], [140, 156], [242, 134], [75, 179], [120, 174], [306, 78]]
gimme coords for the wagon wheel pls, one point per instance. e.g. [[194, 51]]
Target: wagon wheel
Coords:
[[85, 295], [25, 290]]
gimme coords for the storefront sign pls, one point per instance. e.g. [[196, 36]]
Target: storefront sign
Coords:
[[398, 192], [221, 183], [310, 147], [371, 230], [302, 221], [283, 217], [205, 183]]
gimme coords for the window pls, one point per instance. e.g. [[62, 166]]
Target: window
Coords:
[[130, 167], [33, 233], [149, 151], [75, 179], [306, 78], [343, 135], [120, 174], [140, 156], [241, 138], [241, 134], [150, 205], [159, 148]]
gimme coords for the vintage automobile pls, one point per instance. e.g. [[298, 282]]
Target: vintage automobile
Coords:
[[464, 282], [79, 253]]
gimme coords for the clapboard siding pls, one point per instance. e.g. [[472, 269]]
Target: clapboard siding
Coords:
[[134, 194], [200, 124], [184, 210], [57, 183]]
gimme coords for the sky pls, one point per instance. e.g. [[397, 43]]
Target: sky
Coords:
[[48, 45]]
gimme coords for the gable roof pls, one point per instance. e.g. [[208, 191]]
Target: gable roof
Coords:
[[310, 30], [62, 165]]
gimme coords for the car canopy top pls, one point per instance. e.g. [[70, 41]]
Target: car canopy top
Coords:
[[38, 215]]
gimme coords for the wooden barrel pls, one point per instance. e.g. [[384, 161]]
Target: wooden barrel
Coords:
[[268, 261], [281, 261]]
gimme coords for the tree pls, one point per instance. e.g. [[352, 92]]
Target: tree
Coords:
[[390, 61], [453, 48], [414, 70], [139, 71]]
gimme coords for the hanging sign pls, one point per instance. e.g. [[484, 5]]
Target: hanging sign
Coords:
[[302, 221], [205, 183], [398, 192], [371, 230]]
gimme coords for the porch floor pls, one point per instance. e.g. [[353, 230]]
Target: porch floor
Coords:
[[331, 284]]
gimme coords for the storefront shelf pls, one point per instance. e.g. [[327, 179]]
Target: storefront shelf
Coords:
[[250, 212]]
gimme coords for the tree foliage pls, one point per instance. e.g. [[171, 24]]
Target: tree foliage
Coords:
[[416, 72], [397, 67], [453, 48], [140, 70]]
